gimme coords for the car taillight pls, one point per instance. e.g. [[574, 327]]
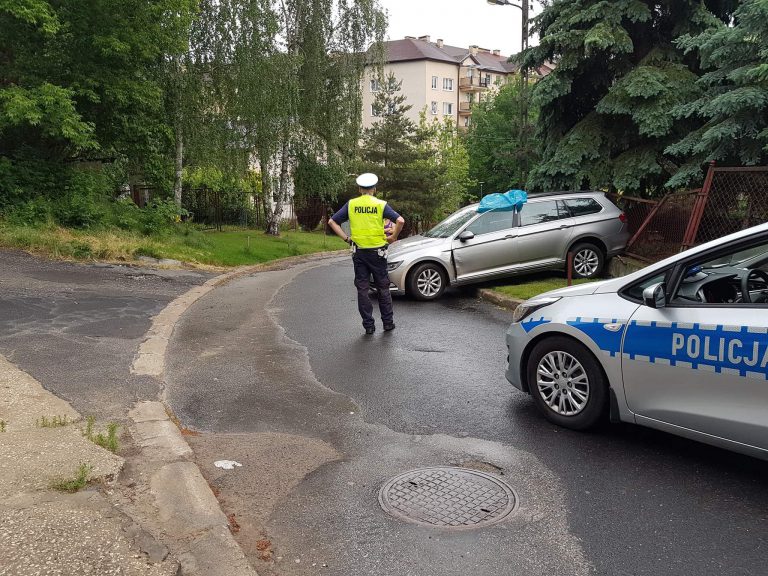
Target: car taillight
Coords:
[[623, 217]]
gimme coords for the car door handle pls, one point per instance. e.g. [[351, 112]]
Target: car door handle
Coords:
[[564, 226], [508, 236]]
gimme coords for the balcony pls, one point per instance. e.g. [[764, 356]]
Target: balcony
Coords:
[[472, 84], [465, 108]]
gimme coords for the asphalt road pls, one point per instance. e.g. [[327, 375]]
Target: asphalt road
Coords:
[[276, 373], [76, 327]]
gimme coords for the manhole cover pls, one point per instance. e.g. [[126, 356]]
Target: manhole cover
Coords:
[[447, 497]]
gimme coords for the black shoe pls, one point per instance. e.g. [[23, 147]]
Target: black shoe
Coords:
[[370, 331], [388, 327]]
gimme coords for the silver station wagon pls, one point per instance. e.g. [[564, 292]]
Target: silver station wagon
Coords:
[[468, 247]]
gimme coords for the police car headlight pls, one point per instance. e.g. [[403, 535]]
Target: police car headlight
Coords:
[[393, 265], [530, 306]]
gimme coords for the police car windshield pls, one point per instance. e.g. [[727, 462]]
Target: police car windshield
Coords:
[[451, 225]]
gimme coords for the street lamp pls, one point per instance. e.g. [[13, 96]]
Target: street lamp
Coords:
[[523, 7]]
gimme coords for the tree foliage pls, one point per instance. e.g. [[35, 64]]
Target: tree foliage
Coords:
[[501, 140], [605, 116], [732, 102], [397, 150], [80, 80]]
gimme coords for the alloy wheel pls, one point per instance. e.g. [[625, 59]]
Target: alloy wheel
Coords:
[[586, 262], [563, 383], [429, 282]]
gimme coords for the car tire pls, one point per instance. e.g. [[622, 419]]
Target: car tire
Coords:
[[427, 281], [558, 363], [588, 260]]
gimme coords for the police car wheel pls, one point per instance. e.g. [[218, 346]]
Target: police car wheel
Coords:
[[588, 260], [567, 383], [427, 281]]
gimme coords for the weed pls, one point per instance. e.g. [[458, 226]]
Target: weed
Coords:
[[89, 422], [2, 425], [108, 441], [76, 483], [55, 422]]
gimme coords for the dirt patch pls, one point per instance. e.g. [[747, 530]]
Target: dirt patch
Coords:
[[272, 466]]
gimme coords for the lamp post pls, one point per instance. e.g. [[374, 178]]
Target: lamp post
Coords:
[[481, 189]]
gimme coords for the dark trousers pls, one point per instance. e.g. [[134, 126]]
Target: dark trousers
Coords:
[[368, 263]]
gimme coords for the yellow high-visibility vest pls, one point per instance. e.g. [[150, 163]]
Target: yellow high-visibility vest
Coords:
[[366, 221]]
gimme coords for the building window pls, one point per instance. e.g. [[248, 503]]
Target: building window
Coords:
[[434, 108], [447, 108], [434, 82], [374, 110], [374, 85], [448, 84], [466, 121]]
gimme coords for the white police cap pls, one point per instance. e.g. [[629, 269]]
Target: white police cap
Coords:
[[367, 180]]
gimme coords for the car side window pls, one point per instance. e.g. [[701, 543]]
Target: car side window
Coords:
[[541, 212], [582, 206], [491, 222], [734, 277]]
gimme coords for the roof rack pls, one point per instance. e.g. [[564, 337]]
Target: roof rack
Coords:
[[562, 193]]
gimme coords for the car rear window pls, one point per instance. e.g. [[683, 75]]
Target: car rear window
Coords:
[[583, 206]]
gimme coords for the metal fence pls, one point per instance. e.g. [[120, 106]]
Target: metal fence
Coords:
[[731, 199], [737, 199]]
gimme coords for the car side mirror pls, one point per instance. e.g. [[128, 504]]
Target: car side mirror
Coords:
[[466, 235], [654, 296]]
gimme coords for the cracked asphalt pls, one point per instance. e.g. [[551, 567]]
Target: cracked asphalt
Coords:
[[76, 327]]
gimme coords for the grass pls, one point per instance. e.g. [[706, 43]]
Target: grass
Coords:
[[232, 247], [76, 483], [529, 286]]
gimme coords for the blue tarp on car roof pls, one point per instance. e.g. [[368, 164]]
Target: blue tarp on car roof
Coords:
[[503, 201]]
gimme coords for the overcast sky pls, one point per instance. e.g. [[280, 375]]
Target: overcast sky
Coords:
[[457, 22]]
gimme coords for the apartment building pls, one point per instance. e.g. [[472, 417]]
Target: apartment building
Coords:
[[446, 81]]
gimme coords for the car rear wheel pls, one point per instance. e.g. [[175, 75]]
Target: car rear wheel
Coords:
[[588, 260], [567, 383], [427, 281]]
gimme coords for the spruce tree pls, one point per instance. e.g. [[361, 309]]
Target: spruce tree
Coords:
[[605, 111], [394, 149], [733, 102]]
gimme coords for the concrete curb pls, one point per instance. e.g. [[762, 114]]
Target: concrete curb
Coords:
[[499, 299], [187, 508]]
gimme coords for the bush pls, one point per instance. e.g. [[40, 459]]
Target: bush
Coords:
[[82, 204], [160, 216], [30, 213], [77, 211]]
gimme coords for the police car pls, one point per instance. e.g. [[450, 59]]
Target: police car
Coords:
[[681, 346]]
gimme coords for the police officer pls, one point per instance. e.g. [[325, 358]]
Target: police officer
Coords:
[[366, 215]]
